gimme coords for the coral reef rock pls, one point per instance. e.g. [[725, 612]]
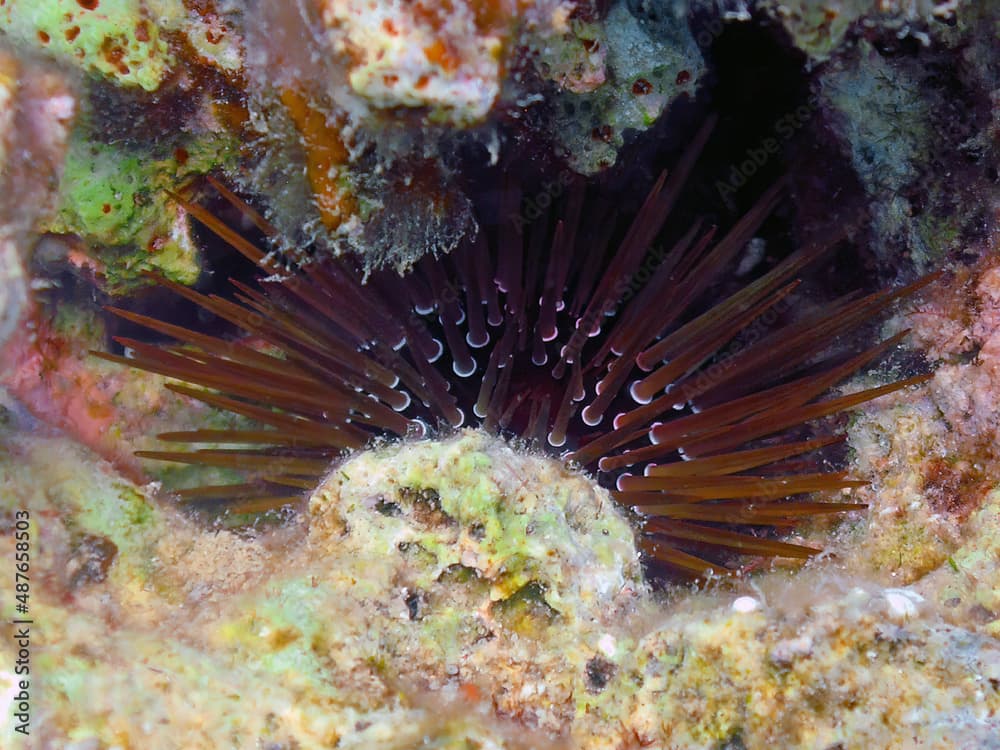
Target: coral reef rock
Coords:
[[36, 111], [455, 593]]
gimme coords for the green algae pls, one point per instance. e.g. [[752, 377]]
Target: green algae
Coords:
[[282, 635], [115, 197], [97, 507], [114, 39], [514, 542]]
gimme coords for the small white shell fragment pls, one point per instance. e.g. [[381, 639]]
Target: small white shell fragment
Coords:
[[902, 603], [607, 645], [745, 604]]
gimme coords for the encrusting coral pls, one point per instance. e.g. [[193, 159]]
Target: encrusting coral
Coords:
[[113, 38]]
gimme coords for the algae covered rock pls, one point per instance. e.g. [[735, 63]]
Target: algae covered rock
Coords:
[[317, 634], [117, 39], [900, 126], [495, 569], [823, 666], [642, 57], [514, 521], [453, 593], [147, 123], [115, 197]]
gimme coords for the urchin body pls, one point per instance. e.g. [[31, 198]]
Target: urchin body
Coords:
[[602, 350]]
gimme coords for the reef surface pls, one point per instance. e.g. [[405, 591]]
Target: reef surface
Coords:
[[459, 590]]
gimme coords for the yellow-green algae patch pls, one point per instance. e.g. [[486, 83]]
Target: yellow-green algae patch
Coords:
[[75, 520], [908, 531], [122, 660], [115, 39], [515, 520], [115, 197], [965, 587]]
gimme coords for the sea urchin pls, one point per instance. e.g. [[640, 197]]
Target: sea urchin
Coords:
[[546, 331]]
